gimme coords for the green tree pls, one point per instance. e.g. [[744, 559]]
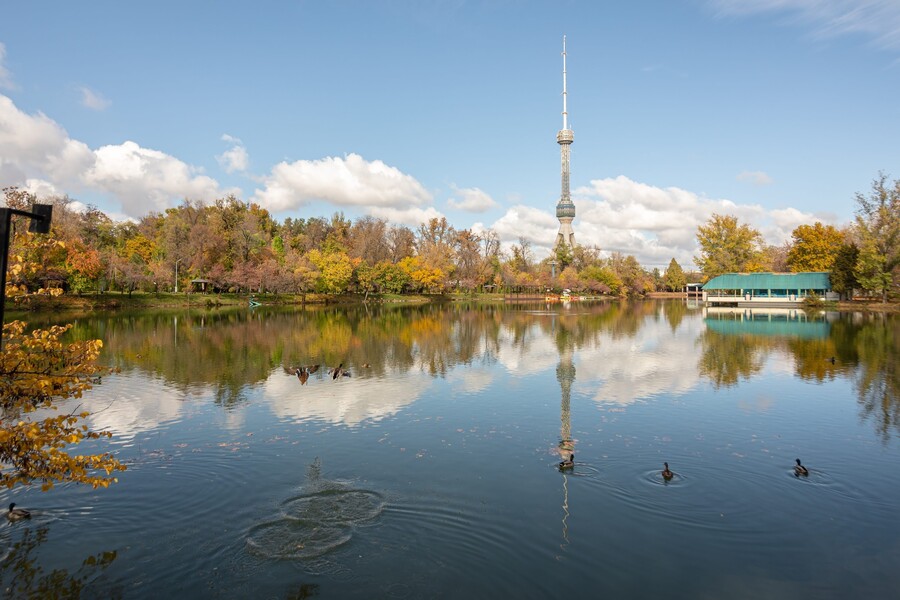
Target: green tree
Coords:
[[674, 278], [815, 247], [878, 230], [727, 246], [843, 280]]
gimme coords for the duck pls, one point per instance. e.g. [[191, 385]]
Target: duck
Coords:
[[340, 372], [97, 380], [800, 469], [17, 514], [569, 463], [667, 474], [302, 375]]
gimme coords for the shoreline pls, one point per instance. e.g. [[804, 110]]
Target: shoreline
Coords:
[[148, 300]]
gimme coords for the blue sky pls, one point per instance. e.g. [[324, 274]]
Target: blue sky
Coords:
[[776, 111]]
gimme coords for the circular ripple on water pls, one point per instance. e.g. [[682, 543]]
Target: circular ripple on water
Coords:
[[336, 506], [296, 539]]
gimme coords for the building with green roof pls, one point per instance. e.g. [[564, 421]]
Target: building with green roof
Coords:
[[766, 289]]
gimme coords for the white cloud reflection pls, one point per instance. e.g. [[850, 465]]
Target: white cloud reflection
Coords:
[[350, 401]]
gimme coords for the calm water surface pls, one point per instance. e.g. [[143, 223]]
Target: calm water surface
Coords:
[[432, 470]]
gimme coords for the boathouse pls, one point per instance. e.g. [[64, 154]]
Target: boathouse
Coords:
[[766, 289]]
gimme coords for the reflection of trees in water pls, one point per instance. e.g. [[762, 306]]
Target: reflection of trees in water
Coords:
[[229, 350], [674, 312], [865, 347], [232, 349], [878, 376], [21, 575], [726, 358]]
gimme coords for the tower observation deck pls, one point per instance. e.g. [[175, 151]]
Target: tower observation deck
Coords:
[[565, 209]]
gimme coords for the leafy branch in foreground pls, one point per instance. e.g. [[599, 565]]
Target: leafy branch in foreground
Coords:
[[36, 369]]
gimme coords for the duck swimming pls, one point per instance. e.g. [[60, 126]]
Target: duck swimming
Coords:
[[569, 463], [17, 514], [667, 474], [800, 469]]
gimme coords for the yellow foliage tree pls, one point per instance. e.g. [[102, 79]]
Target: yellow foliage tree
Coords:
[[36, 369]]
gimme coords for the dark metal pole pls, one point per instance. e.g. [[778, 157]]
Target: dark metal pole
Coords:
[[5, 218], [40, 223]]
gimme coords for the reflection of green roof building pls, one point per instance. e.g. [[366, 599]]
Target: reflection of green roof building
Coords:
[[766, 289], [767, 323]]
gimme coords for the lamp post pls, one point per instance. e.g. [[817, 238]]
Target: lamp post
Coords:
[[40, 223]]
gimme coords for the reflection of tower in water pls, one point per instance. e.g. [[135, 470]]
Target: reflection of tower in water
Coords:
[[565, 375]]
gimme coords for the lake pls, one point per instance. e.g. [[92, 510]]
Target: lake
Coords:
[[432, 469]]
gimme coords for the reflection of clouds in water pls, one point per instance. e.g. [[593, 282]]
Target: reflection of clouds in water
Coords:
[[469, 380], [128, 403], [349, 401], [536, 354], [654, 361], [782, 362]]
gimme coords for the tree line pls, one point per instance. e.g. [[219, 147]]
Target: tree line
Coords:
[[238, 246]]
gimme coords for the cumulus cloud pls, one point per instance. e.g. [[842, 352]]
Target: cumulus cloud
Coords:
[[877, 19], [93, 100], [41, 188], [413, 216], [347, 181], [537, 226], [34, 147], [140, 176], [654, 224], [471, 200], [236, 157], [754, 177]]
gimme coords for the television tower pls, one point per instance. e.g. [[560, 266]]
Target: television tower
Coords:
[[565, 209]]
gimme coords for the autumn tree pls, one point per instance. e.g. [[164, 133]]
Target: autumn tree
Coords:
[[726, 246], [401, 243], [36, 370], [878, 230], [814, 247], [674, 278], [470, 268]]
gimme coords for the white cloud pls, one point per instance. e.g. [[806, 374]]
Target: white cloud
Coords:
[[93, 100], [413, 216], [41, 188], [6, 81], [144, 179], [876, 19], [236, 157], [755, 177], [537, 226], [654, 224], [471, 200], [34, 147], [347, 181]]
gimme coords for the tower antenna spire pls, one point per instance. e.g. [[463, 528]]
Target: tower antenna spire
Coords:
[[565, 209], [565, 113]]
